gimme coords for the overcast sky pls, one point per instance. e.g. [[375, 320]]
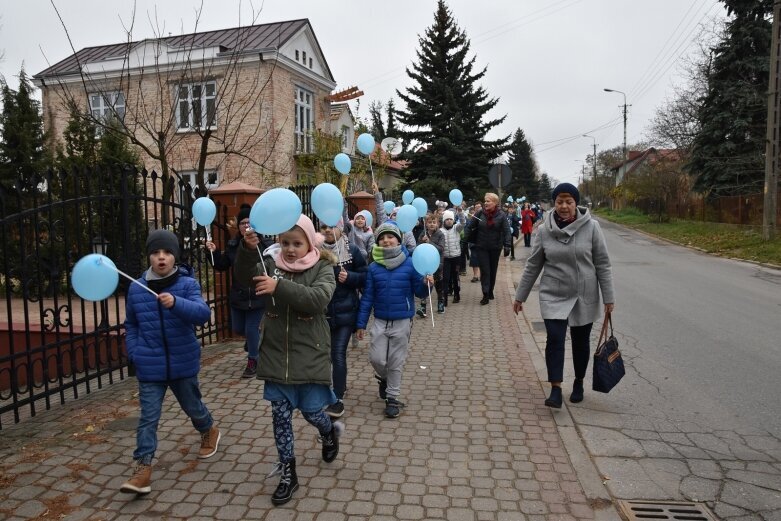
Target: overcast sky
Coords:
[[548, 60]]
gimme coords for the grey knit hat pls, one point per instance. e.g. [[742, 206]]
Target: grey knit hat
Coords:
[[388, 227], [162, 240]]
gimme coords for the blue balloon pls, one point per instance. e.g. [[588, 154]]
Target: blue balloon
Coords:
[[93, 278], [509, 198], [421, 206], [342, 163], [407, 218], [204, 211], [275, 211], [456, 197], [388, 206], [327, 203], [407, 196], [365, 143], [425, 259]]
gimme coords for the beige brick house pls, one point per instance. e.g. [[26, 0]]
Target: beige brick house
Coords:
[[253, 94]]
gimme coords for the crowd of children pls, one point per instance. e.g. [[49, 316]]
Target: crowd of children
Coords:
[[312, 291]]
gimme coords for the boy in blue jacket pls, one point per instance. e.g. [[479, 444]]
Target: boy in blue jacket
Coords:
[[391, 286], [161, 343]]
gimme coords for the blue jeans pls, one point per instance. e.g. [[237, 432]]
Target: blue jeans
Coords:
[[340, 337], [554, 349], [151, 395], [246, 322]]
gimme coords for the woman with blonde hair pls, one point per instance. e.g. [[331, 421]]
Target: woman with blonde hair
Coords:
[[490, 232]]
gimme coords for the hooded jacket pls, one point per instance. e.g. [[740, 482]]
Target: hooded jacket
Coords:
[[296, 344], [575, 267], [161, 342]]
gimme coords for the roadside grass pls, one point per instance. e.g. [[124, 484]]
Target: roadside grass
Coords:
[[726, 240]]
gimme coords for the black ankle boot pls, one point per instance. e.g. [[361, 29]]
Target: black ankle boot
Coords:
[[577, 391], [288, 484], [331, 442], [554, 400]]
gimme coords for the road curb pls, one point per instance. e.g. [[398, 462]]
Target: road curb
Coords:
[[585, 469]]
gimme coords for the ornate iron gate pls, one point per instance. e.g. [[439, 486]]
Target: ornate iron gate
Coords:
[[54, 346]]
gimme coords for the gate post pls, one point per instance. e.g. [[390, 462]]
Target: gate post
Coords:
[[230, 197], [363, 201]]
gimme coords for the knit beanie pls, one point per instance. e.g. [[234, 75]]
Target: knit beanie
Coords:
[[388, 227], [162, 240], [566, 188], [448, 214], [243, 213]]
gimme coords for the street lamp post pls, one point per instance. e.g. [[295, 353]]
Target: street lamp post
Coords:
[[624, 95], [100, 246], [594, 157]]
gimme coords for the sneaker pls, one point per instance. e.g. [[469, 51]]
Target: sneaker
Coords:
[[210, 440], [440, 307], [475, 279], [383, 383], [392, 407], [251, 369], [141, 482], [421, 312], [335, 410], [456, 299]]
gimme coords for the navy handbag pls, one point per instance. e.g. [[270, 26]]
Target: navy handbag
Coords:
[[608, 364]]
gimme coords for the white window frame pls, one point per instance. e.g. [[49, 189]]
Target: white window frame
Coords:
[[106, 105], [200, 95], [304, 120]]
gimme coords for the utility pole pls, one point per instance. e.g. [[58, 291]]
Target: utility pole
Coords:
[[773, 144]]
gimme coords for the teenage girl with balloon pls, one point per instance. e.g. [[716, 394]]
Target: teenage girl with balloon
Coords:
[[298, 282]]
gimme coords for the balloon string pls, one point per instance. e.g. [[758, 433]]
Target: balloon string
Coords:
[[371, 169], [209, 238], [430, 304], [131, 279], [265, 270]]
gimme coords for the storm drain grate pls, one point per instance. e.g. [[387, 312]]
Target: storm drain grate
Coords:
[[640, 510]]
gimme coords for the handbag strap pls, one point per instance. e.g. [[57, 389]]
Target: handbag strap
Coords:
[[603, 333]]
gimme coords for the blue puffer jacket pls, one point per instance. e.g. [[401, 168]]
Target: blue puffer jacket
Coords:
[[161, 342], [343, 308], [391, 293]]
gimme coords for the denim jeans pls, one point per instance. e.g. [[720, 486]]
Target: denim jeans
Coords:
[[246, 322], [151, 395], [554, 349], [340, 337]]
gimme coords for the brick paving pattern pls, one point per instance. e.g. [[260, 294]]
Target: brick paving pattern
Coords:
[[474, 443]]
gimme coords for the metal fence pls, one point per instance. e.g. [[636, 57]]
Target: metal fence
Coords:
[[735, 209], [54, 346]]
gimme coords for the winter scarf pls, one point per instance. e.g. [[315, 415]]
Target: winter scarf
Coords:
[[391, 258], [308, 260], [563, 223], [340, 248], [158, 283], [490, 215]]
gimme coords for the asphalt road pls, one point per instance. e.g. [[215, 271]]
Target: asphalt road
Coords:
[[698, 416]]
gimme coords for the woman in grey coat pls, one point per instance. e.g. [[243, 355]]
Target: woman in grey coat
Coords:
[[570, 251]]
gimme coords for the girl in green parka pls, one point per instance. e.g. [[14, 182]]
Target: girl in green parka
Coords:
[[295, 353]]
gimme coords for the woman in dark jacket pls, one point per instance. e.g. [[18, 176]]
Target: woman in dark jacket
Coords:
[[490, 232], [350, 274], [246, 307]]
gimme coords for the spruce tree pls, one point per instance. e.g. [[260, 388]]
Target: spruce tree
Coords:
[[523, 166], [445, 123], [728, 152], [391, 130], [377, 128], [545, 188], [22, 157]]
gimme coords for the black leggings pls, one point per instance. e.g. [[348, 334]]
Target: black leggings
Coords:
[[489, 263]]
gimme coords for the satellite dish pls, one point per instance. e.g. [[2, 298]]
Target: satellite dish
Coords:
[[391, 145]]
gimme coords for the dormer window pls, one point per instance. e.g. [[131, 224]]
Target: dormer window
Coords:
[[310, 63], [296, 54], [304, 54]]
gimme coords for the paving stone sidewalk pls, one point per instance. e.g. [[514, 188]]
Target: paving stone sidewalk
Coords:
[[474, 443]]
